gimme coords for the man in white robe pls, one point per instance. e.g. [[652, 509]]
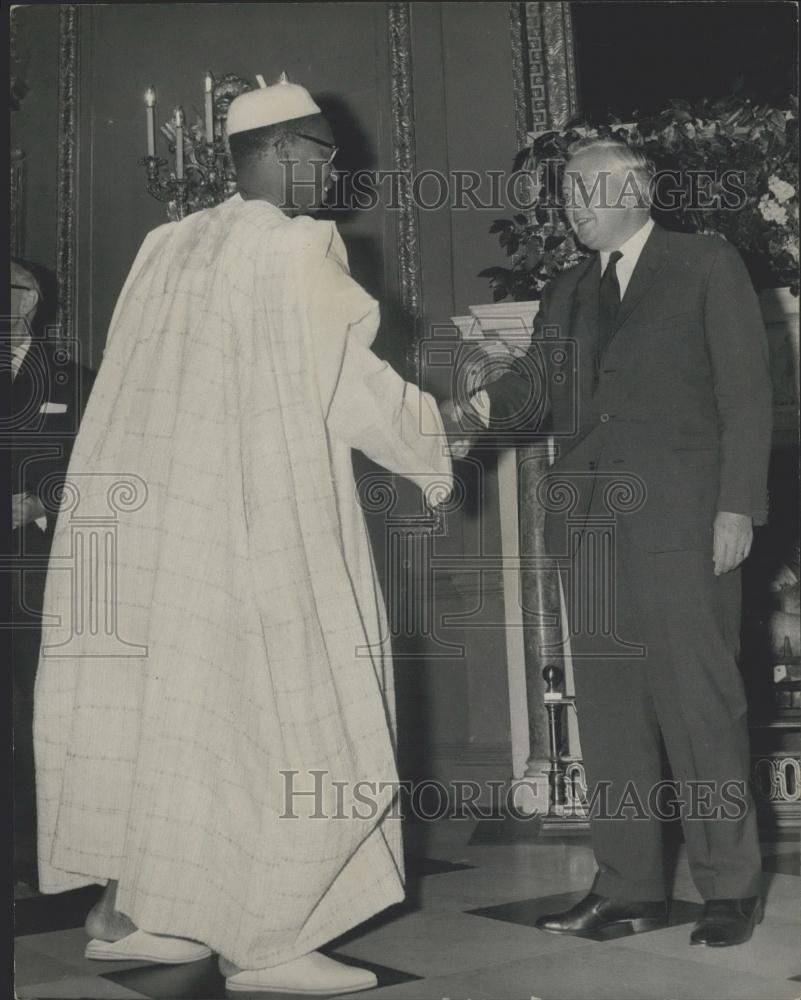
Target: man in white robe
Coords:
[[244, 626]]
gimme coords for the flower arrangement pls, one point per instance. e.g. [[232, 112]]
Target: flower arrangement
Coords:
[[720, 148]]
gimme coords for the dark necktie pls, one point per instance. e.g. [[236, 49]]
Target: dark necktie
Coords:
[[608, 302]]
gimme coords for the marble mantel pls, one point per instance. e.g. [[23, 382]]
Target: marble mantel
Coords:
[[532, 597]]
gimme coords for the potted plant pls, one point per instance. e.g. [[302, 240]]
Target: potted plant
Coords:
[[730, 141], [720, 139]]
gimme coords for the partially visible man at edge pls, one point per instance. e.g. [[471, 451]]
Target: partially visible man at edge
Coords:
[[670, 391], [236, 379], [49, 390]]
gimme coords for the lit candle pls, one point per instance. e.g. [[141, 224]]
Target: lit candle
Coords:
[[150, 103], [179, 143], [209, 108]]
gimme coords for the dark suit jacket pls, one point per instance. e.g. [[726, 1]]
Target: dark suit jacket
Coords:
[[681, 397], [48, 398]]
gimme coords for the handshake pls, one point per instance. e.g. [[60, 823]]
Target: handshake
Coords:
[[461, 424]]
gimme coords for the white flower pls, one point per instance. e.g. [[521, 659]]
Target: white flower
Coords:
[[791, 246], [781, 190], [772, 211]]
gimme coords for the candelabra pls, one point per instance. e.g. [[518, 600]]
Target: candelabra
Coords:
[[202, 173]]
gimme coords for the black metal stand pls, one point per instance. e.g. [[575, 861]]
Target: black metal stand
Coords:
[[565, 814]]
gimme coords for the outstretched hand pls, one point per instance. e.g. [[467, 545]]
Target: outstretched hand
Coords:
[[460, 441], [733, 535]]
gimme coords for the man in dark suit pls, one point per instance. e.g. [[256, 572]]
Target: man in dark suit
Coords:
[[48, 394], [669, 397]]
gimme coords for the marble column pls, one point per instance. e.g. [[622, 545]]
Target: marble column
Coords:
[[539, 586], [546, 97]]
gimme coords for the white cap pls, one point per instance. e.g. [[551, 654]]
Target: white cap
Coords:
[[281, 102]]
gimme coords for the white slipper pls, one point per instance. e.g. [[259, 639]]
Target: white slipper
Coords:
[[143, 947], [310, 975]]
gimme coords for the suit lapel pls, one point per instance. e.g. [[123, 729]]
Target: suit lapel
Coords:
[[587, 294], [652, 260], [31, 385]]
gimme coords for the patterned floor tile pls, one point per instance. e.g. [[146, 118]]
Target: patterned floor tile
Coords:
[[507, 830], [782, 895], [421, 867], [436, 943], [454, 987], [618, 972], [32, 966], [465, 933], [784, 864], [526, 912], [469, 890], [773, 951], [528, 859], [68, 948], [192, 981], [442, 839], [203, 981], [79, 988]]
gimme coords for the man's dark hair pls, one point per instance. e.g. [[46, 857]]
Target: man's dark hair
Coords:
[[247, 148]]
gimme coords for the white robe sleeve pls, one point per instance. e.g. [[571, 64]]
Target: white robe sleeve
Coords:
[[368, 405], [150, 246]]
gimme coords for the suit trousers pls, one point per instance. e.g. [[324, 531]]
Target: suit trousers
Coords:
[[662, 680]]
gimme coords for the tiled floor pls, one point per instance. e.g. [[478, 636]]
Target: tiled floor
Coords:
[[466, 931]]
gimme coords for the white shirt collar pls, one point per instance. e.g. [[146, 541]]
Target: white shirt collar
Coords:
[[632, 248], [631, 251], [18, 356]]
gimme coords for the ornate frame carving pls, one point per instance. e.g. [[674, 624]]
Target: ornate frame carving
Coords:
[[66, 234], [544, 66], [17, 203], [404, 157], [522, 96]]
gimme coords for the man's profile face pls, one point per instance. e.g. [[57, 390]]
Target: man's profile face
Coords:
[[309, 178], [603, 199], [24, 300]]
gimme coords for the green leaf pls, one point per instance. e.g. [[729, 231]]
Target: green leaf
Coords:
[[727, 133], [521, 159], [494, 272]]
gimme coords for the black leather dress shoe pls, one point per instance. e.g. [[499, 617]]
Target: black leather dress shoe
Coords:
[[595, 913], [724, 922]]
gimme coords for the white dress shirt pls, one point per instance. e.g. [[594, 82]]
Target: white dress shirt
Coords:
[[631, 251], [18, 356]]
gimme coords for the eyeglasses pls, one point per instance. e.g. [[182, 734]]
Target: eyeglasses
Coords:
[[320, 142]]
